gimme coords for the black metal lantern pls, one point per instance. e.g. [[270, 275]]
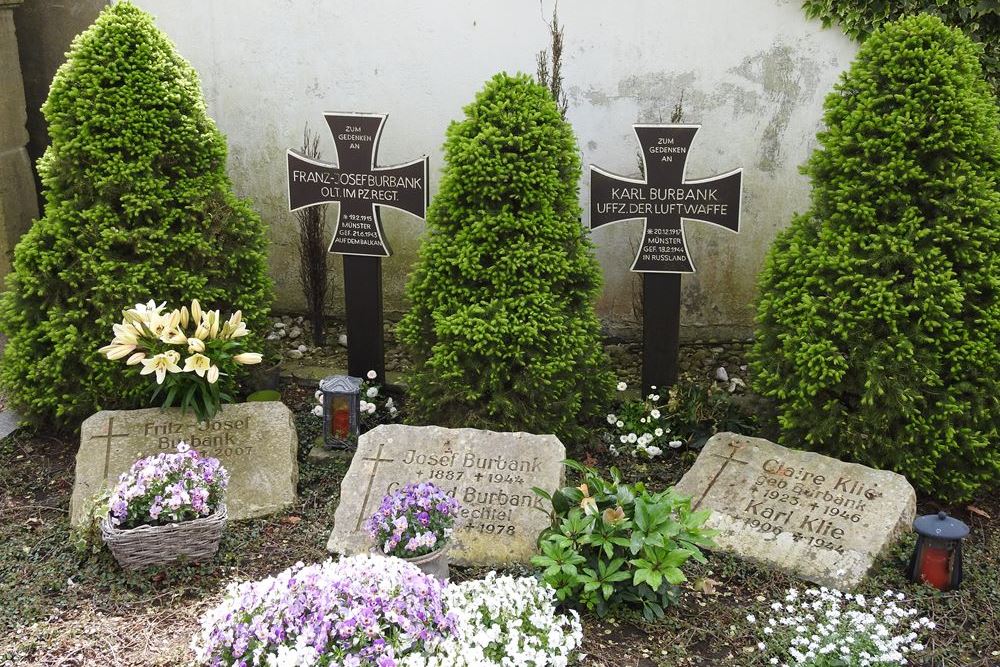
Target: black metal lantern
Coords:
[[937, 559], [341, 407]]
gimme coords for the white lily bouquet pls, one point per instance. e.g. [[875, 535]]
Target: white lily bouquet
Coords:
[[210, 347]]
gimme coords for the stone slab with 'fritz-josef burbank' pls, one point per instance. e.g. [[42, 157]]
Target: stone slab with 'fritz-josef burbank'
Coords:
[[256, 442], [808, 514], [491, 475]]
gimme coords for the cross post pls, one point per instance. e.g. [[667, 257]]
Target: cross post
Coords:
[[361, 189], [363, 514], [663, 200]]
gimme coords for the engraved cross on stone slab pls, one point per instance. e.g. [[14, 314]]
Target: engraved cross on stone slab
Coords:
[[726, 461], [664, 200], [362, 189], [108, 437], [357, 184], [363, 514]]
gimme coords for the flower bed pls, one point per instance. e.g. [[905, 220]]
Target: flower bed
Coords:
[[505, 621], [827, 627], [364, 610], [375, 611]]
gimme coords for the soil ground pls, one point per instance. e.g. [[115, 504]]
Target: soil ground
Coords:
[[63, 607]]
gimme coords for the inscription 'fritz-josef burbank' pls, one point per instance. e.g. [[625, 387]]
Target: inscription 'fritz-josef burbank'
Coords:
[[806, 513], [490, 474]]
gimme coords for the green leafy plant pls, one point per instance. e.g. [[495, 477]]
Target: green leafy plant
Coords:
[[879, 313], [695, 412], [137, 202], [502, 332], [612, 544], [979, 19]]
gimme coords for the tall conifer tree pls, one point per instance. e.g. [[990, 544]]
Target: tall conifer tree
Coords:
[[137, 206], [879, 319], [502, 330]]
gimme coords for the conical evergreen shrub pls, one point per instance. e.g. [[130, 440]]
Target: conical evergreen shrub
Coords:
[[137, 206], [502, 330], [879, 318]]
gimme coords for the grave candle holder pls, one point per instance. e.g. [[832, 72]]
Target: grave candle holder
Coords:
[[937, 558], [341, 408]]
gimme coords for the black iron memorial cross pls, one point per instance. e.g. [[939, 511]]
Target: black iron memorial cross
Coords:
[[361, 189], [664, 199]]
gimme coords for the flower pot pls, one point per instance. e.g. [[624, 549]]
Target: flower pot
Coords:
[[194, 540], [435, 563]]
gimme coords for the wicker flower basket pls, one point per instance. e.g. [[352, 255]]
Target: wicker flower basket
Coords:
[[195, 540]]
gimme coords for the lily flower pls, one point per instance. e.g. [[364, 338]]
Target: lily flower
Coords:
[[213, 374], [235, 327], [135, 358], [184, 317], [161, 364], [125, 334], [198, 363], [195, 311], [195, 345], [116, 350], [173, 336], [247, 358], [213, 323]]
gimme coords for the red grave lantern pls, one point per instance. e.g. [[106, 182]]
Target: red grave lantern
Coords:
[[937, 558], [341, 407]]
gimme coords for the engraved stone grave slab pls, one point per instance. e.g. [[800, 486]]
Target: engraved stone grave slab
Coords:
[[256, 442], [802, 512], [490, 473]]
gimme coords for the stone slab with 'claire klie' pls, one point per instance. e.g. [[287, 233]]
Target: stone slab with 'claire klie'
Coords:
[[808, 514]]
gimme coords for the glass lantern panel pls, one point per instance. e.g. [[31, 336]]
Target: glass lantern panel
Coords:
[[341, 416]]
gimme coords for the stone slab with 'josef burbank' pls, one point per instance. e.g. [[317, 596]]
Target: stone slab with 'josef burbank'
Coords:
[[808, 514], [256, 442], [491, 474]]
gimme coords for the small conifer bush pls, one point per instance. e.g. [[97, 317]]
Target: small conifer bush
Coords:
[[879, 317], [502, 330], [137, 207]]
